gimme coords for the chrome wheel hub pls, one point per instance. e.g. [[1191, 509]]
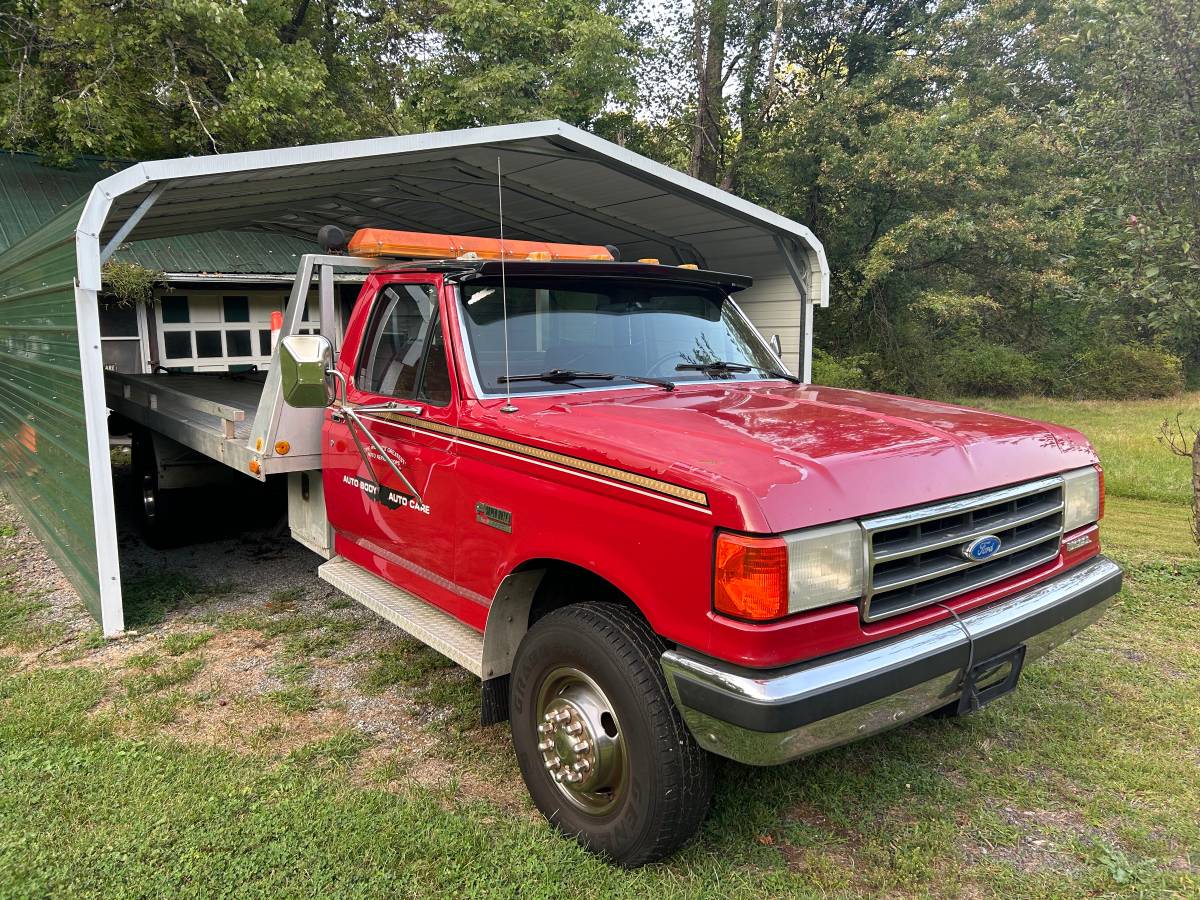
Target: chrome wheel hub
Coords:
[[149, 496], [580, 740]]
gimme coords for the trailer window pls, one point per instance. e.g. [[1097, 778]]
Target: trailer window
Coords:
[[397, 358]]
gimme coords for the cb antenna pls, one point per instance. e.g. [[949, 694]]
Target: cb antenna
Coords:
[[508, 404]]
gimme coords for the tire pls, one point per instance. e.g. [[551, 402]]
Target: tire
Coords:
[[642, 786], [158, 510]]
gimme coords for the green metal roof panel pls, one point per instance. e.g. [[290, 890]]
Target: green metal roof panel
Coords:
[[43, 433], [32, 194], [220, 252]]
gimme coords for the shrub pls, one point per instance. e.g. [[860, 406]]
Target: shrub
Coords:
[[833, 372], [988, 370], [1126, 372]]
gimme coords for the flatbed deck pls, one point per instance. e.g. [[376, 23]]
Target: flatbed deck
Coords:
[[210, 412]]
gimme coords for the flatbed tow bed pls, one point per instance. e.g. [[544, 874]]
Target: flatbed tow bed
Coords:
[[212, 413], [239, 418]]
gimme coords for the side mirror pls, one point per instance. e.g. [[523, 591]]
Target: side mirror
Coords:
[[304, 364], [777, 345]]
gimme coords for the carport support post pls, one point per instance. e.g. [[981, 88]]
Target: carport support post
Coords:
[[95, 413], [799, 277]]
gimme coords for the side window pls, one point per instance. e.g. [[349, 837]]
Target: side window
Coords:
[[435, 382], [403, 320]]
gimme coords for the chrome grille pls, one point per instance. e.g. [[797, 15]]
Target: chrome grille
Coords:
[[914, 556]]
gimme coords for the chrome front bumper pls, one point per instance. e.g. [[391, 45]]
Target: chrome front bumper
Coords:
[[767, 717]]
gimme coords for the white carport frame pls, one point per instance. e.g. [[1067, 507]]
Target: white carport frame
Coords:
[[561, 184]]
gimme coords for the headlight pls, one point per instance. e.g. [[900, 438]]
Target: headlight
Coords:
[[1082, 497], [825, 565], [768, 578]]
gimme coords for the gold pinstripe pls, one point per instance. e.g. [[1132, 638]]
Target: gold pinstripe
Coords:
[[644, 482]]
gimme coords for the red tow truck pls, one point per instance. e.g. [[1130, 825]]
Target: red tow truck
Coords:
[[595, 484]]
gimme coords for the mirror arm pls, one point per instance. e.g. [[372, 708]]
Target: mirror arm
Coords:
[[357, 424]]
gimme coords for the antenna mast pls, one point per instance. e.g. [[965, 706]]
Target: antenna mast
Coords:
[[508, 404]]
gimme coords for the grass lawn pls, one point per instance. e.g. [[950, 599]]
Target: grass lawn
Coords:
[[117, 776], [1136, 464]]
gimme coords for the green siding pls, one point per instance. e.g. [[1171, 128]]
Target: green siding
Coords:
[[32, 194], [220, 253], [43, 434]]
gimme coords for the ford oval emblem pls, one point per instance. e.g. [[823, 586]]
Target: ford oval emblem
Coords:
[[981, 548]]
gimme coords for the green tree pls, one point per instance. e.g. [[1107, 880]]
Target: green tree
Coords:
[[1137, 128], [147, 78]]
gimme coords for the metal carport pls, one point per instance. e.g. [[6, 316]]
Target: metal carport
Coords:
[[560, 183]]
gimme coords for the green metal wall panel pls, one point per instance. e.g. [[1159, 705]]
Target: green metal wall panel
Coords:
[[32, 194], [43, 433]]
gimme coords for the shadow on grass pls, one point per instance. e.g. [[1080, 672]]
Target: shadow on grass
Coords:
[[149, 598]]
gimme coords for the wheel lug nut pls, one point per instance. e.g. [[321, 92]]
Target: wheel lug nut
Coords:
[[582, 766], [581, 747], [575, 728], [553, 763], [545, 745], [545, 728]]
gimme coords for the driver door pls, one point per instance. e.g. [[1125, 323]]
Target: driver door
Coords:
[[404, 535]]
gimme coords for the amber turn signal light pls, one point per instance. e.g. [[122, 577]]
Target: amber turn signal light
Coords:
[[751, 577]]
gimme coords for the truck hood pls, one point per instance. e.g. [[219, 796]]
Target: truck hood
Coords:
[[776, 457]]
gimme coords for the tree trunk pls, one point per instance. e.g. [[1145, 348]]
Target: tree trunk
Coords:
[[1196, 487], [290, 31], [709, 34]]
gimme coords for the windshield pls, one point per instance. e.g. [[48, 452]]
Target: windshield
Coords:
[[644, 330]]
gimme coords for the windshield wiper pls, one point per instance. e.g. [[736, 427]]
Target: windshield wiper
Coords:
[[720, 367], [565, 376]]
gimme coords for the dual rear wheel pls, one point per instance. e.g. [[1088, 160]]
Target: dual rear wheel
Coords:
[[604, 752]]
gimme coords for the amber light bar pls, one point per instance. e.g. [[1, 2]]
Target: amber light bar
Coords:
[[372, 242]]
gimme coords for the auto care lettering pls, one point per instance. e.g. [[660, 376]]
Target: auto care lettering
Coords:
[[386, 496]]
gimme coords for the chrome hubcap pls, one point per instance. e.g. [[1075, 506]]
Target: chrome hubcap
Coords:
[[148, 497], [580, 740]]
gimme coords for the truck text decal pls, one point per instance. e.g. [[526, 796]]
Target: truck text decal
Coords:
[[386, 496]]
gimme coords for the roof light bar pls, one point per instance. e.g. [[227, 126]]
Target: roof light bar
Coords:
[[373, 242]]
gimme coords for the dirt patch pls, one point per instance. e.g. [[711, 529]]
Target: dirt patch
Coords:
[[1046, 841]]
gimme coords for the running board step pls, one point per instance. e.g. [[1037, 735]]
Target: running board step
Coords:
[[428, 624]]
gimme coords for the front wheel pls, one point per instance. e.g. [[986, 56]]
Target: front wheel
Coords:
[[605, 755]]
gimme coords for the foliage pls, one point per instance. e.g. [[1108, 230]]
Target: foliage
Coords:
[[1018, 175], [1137, 125], [1126, 372], [128, 283], [988, 370], [154, 78], [833, 372]]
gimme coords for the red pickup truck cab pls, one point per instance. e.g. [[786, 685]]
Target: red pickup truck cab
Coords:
[[668, 547]]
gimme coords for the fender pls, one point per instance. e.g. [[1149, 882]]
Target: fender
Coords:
[[507, 624]]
